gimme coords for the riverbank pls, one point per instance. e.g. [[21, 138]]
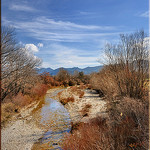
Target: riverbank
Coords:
[[24, 129], [89, 121], [87, 107], [103, 124]]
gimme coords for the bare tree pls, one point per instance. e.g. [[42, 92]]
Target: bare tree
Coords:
[[128, 63], [18, 65], [63, 75]]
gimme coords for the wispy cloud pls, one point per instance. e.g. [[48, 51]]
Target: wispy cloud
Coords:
[[43, 28], [69, 25], [21, 7], [86, 13], [145, 14]]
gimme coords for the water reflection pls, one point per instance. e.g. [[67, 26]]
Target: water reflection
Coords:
[[56, 118]]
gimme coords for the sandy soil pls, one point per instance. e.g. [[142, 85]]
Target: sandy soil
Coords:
[[98, 107]]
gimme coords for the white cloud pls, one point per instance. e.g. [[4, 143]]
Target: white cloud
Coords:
[[145, 14], [40, 45], [31, 48], [19, 7], [30, 54]]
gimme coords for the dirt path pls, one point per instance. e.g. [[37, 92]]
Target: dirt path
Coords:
[[90, 106]]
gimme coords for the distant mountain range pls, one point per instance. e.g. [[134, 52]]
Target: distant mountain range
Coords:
[[86, 70]]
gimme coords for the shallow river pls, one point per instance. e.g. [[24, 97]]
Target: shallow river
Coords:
[[56, 119]]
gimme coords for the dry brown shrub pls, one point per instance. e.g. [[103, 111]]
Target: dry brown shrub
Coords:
[[127, 65], [59, 94], [89, 136], [71, 83], [35, 94], [39, 90], [129, 124], [82, 86], [114, 81], [64, 101], [81, 94], [126, 128], [75, 126], [73, 89], [89, 86], [104, 82], [7, 111], [70, 94], [8, 107], [78, 90], [57, 83], [22, 100], [85, 110]]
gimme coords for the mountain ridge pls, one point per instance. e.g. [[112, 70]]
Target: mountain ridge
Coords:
[[86, 70]]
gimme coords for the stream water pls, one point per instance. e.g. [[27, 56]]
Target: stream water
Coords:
[[56, 119]]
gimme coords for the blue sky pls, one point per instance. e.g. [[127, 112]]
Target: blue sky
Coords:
[[72, 33]]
